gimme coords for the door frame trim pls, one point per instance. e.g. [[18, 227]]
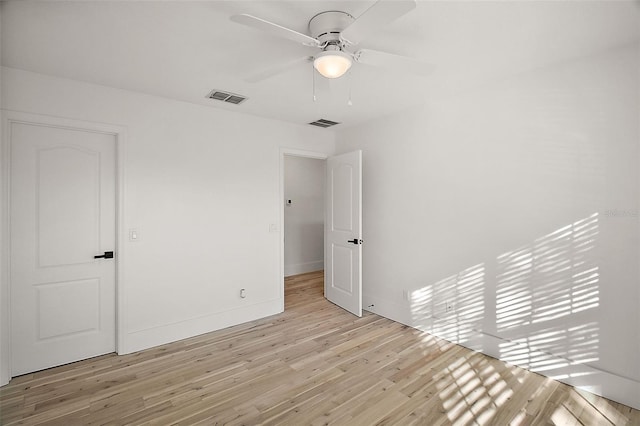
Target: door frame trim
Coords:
[[8, 118], [289, 152]]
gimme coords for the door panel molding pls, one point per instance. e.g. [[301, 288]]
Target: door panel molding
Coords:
[[9, 118], [343, 231]]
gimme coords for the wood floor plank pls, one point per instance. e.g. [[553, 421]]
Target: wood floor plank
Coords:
[[313, 364]]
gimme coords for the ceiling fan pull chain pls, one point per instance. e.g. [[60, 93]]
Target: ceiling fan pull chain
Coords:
[[313, 79], [349, 103]]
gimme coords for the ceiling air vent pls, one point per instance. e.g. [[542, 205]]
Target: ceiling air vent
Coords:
[[232, 98], [323, 123]]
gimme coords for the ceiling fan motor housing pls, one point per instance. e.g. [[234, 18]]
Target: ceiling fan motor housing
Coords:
[[327, 26]]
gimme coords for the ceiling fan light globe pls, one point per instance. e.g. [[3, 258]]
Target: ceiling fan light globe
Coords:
[[332, 64]]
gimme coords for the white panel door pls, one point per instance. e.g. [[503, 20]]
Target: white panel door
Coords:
[[62, 215], [343, 232]]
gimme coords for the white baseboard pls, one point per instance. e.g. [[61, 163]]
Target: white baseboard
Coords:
[[581, 376], [384, 308], [303, 268], [156, 336]]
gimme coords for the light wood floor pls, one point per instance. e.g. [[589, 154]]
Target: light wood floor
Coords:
[[313, 364]]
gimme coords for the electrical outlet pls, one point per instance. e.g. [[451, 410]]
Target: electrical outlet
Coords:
[[448, 306], [405, 295]]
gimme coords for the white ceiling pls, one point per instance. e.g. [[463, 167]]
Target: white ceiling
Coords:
[[182, 50]]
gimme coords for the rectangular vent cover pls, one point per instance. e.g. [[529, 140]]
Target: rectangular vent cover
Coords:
[[323, 123], [232, 98]]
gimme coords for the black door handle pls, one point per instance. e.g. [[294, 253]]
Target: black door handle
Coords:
[[355, 241], [106, 255]]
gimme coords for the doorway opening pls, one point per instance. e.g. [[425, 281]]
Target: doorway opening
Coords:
[[342, 283], [303, 218]]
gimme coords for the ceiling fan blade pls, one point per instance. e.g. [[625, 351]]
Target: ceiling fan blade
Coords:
[[381, 13], [275, 29], [277, 69], [393, 62]]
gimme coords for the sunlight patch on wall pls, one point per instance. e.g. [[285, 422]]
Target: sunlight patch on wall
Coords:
[[540, 351], [455, 304], [554, 282], [546, 297], [554, 277]]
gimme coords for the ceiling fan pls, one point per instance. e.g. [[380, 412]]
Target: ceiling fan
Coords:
[[336, 33]]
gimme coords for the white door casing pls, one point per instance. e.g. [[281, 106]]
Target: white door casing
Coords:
[[62, 213], [343, 232]]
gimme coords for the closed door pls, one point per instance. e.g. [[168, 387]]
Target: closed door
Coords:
[[62, 213], [343, 232]]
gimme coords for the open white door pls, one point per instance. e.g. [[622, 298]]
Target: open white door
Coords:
[[343, 232]]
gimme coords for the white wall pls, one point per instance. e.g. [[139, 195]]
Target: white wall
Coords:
[[201, 186], [518, 203], [304, 217]]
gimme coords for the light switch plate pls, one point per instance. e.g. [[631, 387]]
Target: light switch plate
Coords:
[[134, 235]]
